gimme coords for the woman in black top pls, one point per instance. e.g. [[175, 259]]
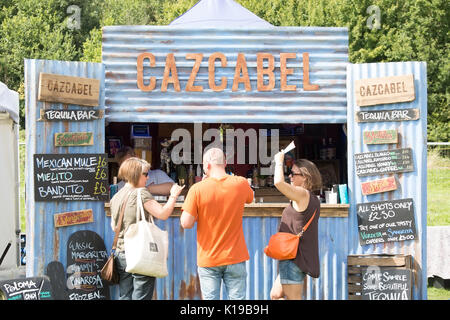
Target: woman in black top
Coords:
[[305, 178]]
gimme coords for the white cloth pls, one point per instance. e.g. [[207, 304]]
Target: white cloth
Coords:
[[438, 252], [219, 14], [9, 102]]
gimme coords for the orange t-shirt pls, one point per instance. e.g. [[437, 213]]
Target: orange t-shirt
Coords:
[[218, 206]]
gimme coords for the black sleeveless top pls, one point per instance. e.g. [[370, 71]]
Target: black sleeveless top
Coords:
[[292, 221]]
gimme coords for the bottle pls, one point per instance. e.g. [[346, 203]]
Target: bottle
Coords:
[[113, 188], [191, 175], [331, 149], [323, 150]]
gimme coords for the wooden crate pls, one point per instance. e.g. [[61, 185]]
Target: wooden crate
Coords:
[[355, 264]]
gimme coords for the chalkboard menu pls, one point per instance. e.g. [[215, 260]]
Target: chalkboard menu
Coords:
[[70, 177], [37, 288], [386, 221], [86, 256], [383, 162], [383, 283]]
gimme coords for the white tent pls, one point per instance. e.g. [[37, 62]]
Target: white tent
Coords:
[[219, 14], [9, 177]]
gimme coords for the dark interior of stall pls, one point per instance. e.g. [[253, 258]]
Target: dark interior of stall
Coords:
[[323, 144]]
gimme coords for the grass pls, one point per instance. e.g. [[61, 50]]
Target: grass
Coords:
[[438, 294], [438, 186]]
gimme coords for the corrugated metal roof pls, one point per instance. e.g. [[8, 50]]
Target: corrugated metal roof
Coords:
[[125, 102], [412, 134]]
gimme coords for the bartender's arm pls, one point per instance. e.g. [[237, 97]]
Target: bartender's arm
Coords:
[[160, 189], [159, 183]]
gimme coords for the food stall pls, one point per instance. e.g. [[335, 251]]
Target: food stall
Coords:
[[168, 91]]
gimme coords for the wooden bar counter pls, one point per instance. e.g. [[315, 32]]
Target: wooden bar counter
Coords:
[[274, 209]]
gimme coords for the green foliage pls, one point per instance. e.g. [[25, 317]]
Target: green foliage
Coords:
[[409, 30]]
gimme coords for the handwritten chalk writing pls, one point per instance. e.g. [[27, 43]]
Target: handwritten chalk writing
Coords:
[[386, 283], [96, 295], [387, 115], [70, 115], [386, 221], [77, 177], [66, 162], [36, 288], [386, 161], [80, 245]]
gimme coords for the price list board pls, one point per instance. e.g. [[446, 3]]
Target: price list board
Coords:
[[384, 162], [71, 177]]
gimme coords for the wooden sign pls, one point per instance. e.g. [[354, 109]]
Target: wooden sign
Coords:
[[383, 162], [380, 137], [74, 139], [375, 91], [35, 288], [70, 177], [386, 221], [73, 115], [86, 256], [72, 218], [69, 90], [386, 283], [378, 186], [387, 115]]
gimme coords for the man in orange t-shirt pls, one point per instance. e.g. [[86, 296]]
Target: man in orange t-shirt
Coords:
[[217, 205]]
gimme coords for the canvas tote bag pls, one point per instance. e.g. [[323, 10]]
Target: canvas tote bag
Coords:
[[146, 245]]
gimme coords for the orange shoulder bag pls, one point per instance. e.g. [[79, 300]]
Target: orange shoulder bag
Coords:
[[284, 245]]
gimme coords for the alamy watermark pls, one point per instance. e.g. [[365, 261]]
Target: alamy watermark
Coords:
[[235, 144], [374, 21]]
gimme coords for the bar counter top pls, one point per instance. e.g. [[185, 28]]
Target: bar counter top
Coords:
[[273, 209]]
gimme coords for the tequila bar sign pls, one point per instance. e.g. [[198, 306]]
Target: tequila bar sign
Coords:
[[68, 89], [387, 115], [375, 91], [70, 115]]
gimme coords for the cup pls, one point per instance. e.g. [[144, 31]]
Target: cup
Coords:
[[331, 197]]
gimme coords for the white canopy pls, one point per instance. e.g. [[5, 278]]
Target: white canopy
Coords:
[[219, 14], [9, 102]]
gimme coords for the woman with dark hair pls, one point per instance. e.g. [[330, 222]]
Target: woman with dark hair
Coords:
[[304, 205]]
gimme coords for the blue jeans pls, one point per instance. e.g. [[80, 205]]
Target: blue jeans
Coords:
[[234, 277], [133, 286], [290, 273]]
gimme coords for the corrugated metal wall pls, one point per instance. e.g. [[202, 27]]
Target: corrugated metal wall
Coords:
[[412, 134], [328, 56], [45, 243], [183, 283]]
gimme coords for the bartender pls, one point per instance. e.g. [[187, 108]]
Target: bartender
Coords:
[[158, 182]]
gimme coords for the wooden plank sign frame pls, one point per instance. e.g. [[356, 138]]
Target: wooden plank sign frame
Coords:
[[74, 139], [380, 136], [369, 92], [378, 186], [68, 89], [73, 218]]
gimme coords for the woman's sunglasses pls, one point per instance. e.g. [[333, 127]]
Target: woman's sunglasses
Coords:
[[145, 174]]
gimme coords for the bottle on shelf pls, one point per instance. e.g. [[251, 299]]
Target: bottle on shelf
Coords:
[[323, 150], [191, 175], [331, 149]]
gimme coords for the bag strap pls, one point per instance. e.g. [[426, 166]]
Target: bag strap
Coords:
[[119, 224], [140, 208], [305, 227]]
